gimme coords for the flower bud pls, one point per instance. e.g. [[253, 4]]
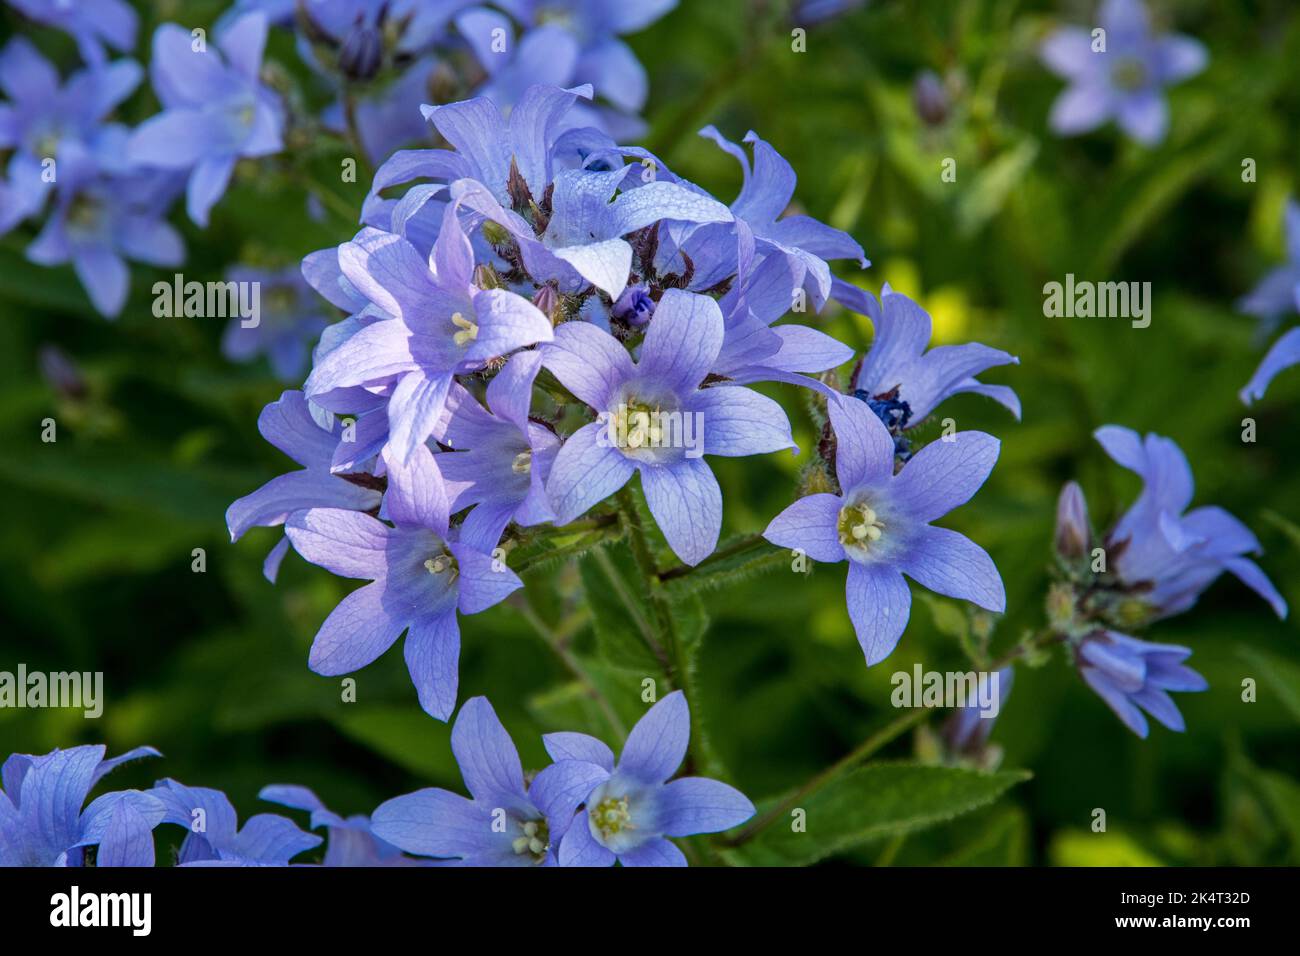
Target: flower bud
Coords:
[[361, 53], [634, 306], [549, 303], [1072, 532], [930, 98]]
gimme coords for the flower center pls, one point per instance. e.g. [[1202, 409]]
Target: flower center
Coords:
[[637, 424], [612, 816], [442, 564], [1129, 74], [535, 840], [523, 462], [468, 330], [859, 526]]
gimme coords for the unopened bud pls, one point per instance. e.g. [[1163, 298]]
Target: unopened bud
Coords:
[[1072, 533], [930, 98]]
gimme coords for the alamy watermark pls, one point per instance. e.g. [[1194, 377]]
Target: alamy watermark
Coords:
[[633, 427], [208, 300], [81, 690], [1102, 300], [922, 688]]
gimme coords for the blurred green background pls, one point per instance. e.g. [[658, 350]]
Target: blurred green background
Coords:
[[99, 527]]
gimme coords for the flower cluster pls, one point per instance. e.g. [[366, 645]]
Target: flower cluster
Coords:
[[1154, 563], [104, 191], [584, 809], [546, 314]]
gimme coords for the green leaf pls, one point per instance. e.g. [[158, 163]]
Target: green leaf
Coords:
[[405, 735], [879, 800]]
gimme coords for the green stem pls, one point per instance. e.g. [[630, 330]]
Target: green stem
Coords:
[[861, 752], [559, 645], [747, 543], [680, 669]]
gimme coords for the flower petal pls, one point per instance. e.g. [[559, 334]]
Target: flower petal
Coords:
[[879, 605], [810, 524], [657, 744], [951, 564], [692, 805], [686, 502]]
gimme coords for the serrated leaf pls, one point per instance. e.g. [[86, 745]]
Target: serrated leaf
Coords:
[[879, 800]]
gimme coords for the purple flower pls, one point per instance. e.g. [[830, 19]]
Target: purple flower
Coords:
[[92, 23], [289, 425], [104, 223], [1132, 676], [41, 818], [764, 197], [1122, 78], [352, 841], [1283, 355], [1170, 557], [215, 109], [441, 325], [501, 460], [654, 417], [46, 122], [753, 350], [1279, 292], [632, 809], [289, 321], [214, 837], [903, 382], [421, 576], [880, 524], [504, 822]]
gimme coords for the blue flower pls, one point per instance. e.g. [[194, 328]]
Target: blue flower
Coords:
[[903, 382], [633, 808], [1168, 557], [1132, 676], [766, 194], [92, 23], [101, 225], [505, 821], [215, 109], [48, 122], [500, 460], [753, 349], [654, 417], [290, 320], [880, 524], [352, 841], [42, 822], [289, 425], [1123, 82], [214, 837], [421, 575], [441, 324]]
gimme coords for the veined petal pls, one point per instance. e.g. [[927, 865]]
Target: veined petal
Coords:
[[945, 474], [683, 342], [347, 543], [356, 633], [586, 472], [738, 421], [879, 605], [686, 502], [657, 744], [589, 362], [432, 653], [692, 805], [810, 525], [487, 756], [951, 564], [864, 449]]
